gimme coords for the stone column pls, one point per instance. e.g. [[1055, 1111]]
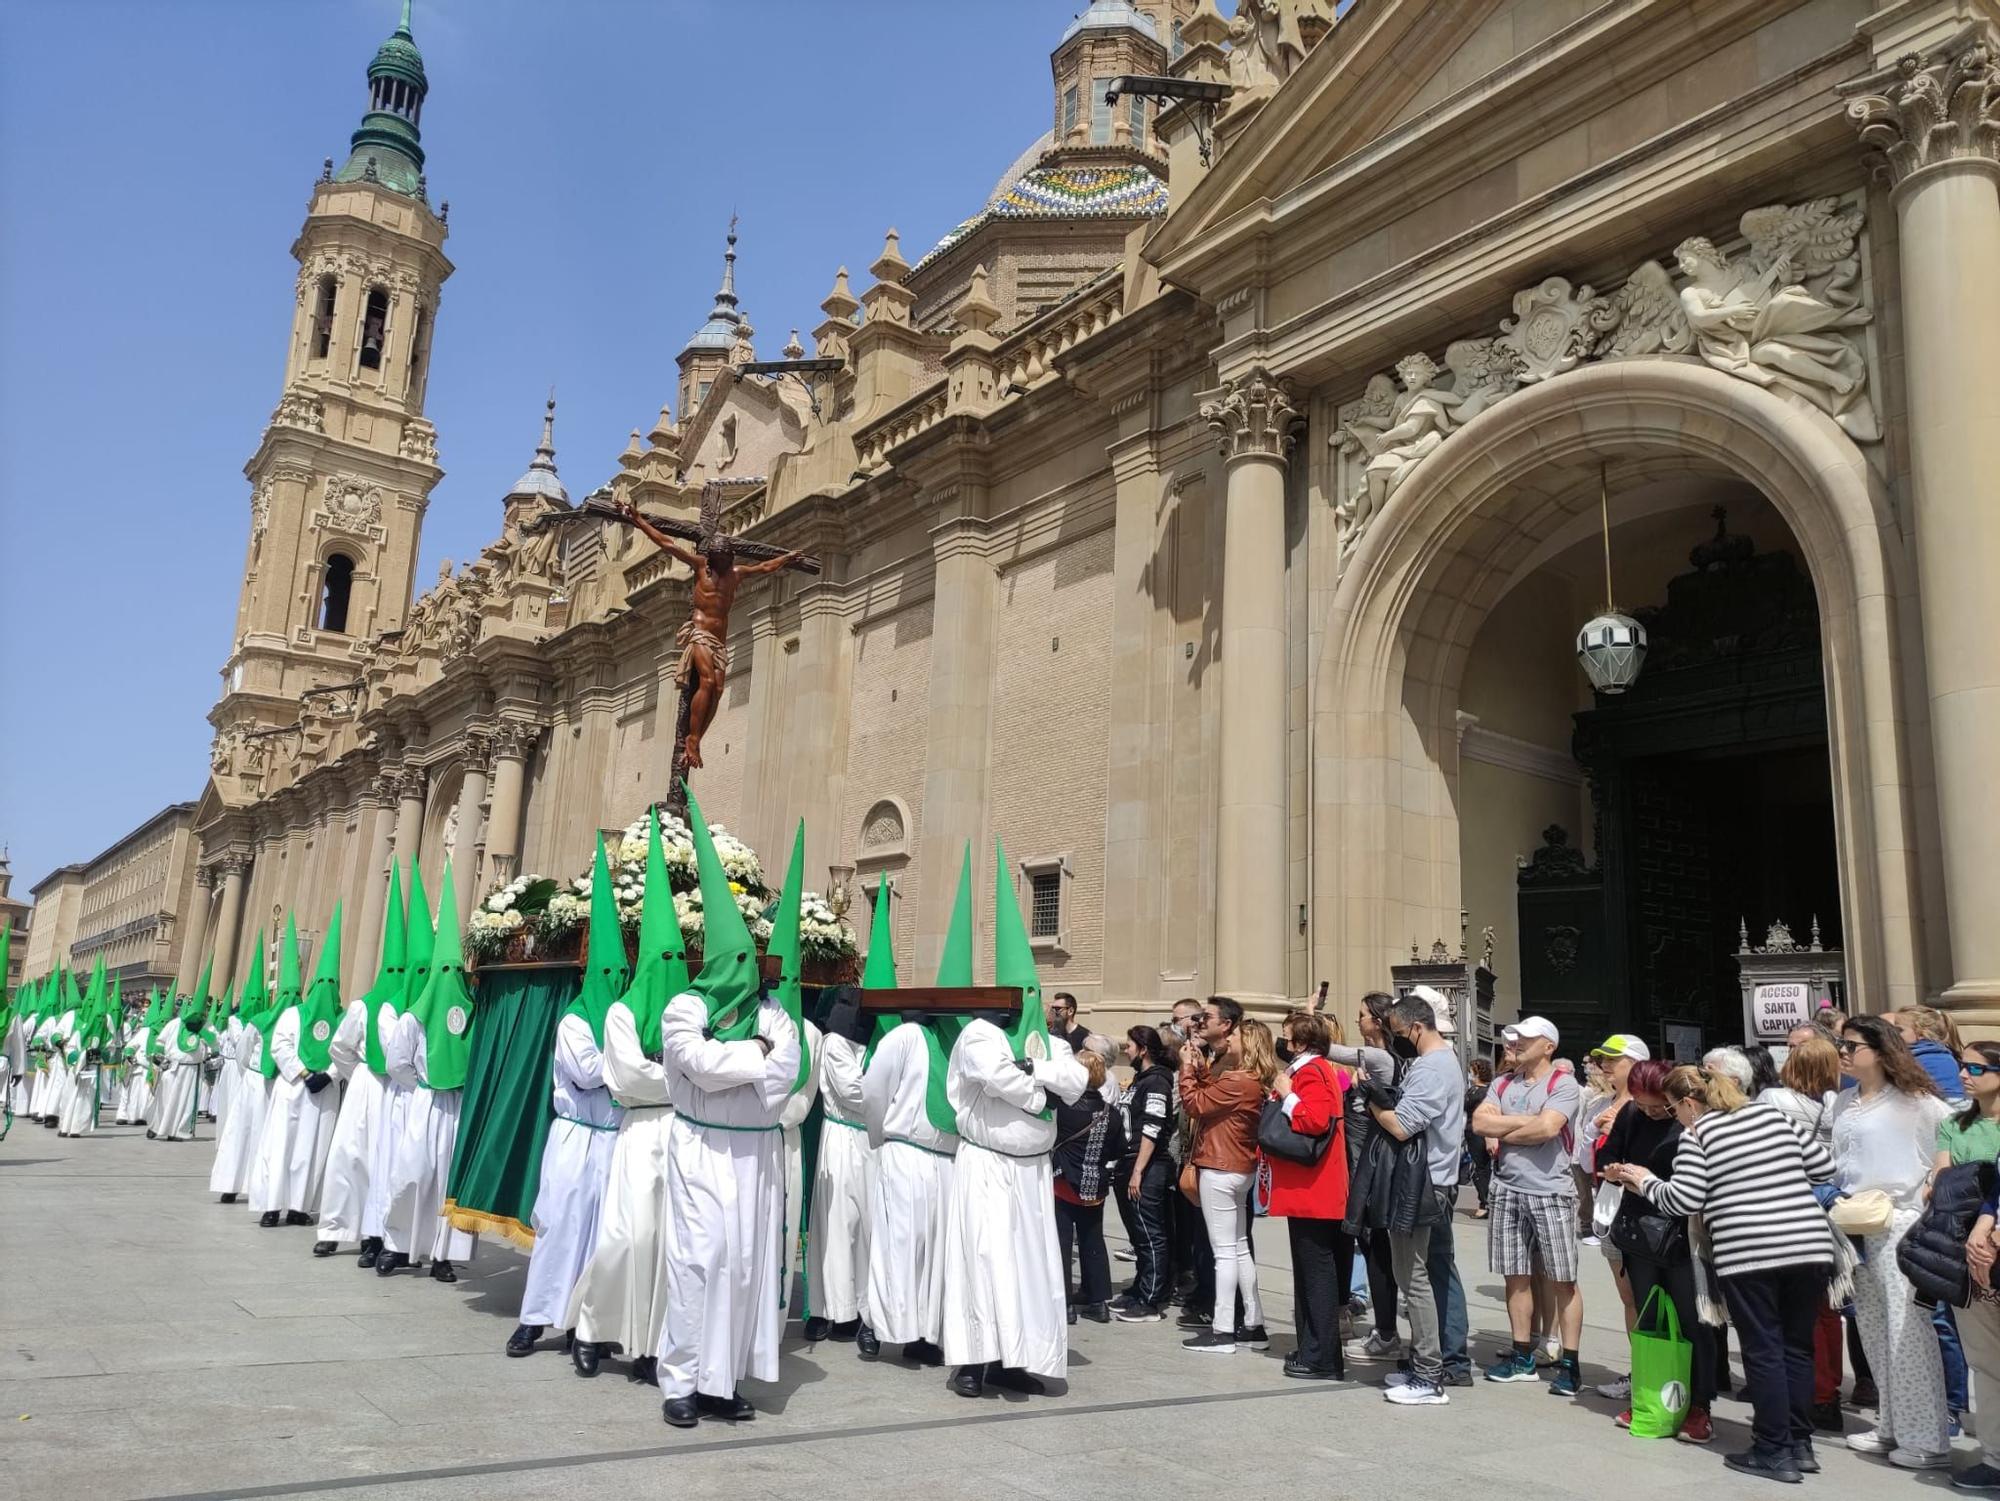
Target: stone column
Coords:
[[1255, 419], [817, 725], [195, 939], [1937, 125], [465, 846], [375, 881], [409, 816], [229, 921], [961, 708], [511, 743]]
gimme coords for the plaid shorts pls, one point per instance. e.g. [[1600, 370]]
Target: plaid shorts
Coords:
[[1531, 1235]]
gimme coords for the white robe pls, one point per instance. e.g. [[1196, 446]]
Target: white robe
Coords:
[[420, 1160], [576, 1162], [179, 1076], [229, 1039], [14, 1067], [904, 1300], [791, 1124], [62, 1097], [83, 1097], [298, 1129], [621, 1294], [1003, 1282], [135, 1099], [343, 1194], [396, 1089], [236, 1138], [40, 1093], [837, 1249], [725, 1181]]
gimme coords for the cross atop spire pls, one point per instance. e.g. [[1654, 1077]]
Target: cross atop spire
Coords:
[[541, 478]]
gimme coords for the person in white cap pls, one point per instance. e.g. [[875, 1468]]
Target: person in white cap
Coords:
[[1531, 1115]]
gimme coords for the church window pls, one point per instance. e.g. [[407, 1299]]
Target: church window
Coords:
[[1044, 880], [701, 392], [420, 328], [1178, 46], [1069, 111], [1100, 112], [334, 593], [374, 326], [322, 331], [1137, 119]]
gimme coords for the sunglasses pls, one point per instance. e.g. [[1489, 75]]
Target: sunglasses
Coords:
[[1848, 1049], [1978, 1070]]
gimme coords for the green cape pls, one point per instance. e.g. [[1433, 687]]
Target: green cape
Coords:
[[729, 983], [1014, 964], [445, 1008], [320, 1011], [419, 938], [661, 972], [954, 968], [258, 1011], [389, 978], [605, 974], [879, 973], [194, 1014], [784, 947]]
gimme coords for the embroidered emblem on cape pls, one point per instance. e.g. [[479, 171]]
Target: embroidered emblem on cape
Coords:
[[454, 1021]]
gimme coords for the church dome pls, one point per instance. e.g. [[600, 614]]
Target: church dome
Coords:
[[541, 481], [1111, 15], [1113, 190]]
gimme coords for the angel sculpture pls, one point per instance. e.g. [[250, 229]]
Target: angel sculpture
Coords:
[[1775, 316], [1394, 432]]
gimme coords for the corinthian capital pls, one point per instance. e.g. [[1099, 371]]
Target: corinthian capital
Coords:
[[1943, 110], [1254, 414]]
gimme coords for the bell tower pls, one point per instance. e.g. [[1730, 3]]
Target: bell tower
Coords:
[[339, 484]]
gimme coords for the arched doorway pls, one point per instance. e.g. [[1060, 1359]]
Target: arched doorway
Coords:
[[1509, 494]]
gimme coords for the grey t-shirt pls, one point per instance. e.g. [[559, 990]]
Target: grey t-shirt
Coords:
[[1433, 1101], [1544, 1168]]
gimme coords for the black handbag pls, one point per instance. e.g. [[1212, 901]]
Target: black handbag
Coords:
[[1659, 1238], [1276, 1138]]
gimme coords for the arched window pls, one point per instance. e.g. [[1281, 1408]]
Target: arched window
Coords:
[[374, 328], [334, 593], [419, 330], [322, 332]]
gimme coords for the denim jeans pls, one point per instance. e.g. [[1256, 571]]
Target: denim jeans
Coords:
[[1446, 1288], [1957, 1398]]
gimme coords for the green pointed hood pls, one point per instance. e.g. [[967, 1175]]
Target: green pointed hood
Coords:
[[389, 977], [194, 1014], [445, 1008], [419, 937], [7, 1001], [605, 974], [320, 1010], [954, 968], [291, 981], [91, 1026], [661, 972], [879, 973], [785, 948], [728, 982], [257, 1007], [1014, 964]]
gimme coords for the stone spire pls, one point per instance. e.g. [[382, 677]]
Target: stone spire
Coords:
[[541, 478], [725, 319], [386, 148]]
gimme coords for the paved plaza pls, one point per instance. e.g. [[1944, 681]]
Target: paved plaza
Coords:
[[154, 1343]]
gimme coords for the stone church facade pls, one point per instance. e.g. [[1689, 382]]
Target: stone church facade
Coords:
[[1211, 515]]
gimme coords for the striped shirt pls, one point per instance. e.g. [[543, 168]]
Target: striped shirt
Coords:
[[1749, 1174]]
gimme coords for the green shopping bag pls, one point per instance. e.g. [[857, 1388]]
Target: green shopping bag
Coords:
[[1662, 1363]]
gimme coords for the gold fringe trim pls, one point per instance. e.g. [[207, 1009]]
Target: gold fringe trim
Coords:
[[478, 1221]]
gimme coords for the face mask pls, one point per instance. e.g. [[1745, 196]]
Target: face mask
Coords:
[[1402, 1047], [1285, 1053]]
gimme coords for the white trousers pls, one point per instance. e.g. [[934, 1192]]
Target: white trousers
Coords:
[[1225, 1209]]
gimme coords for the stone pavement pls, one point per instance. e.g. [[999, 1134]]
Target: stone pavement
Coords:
[[154, 1343]]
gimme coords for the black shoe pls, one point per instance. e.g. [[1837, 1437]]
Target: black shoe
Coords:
[[371, 1248], [817, 1329], [1097, 1313], [1826, 1417], [225, 1199], [586, 1356], [923, 1352], [1865, 1395], [522, 1340], [1753, 1462], [1803, 1458], [324, 1248], [1194, 1318], [390, 1261], [155, 1136], [1011, 1379], [269, 1220], [680, 1412], [845, 1331], [1253, 1338], [866, 1345], [1069, 1313], [1298, 1370], [441, 1271], [969, 1381], [297, 1217], [1456, 1376], [645, 1370], [734, 1408]]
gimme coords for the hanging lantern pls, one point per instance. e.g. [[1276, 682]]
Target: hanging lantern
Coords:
[[1612, 646], [1612, 649]]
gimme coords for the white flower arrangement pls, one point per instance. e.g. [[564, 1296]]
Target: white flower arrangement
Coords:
[[508, 909]]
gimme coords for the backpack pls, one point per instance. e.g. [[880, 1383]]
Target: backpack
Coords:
[[1498, 1093]]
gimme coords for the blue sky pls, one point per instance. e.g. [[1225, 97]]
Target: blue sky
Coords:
[[155, 161]]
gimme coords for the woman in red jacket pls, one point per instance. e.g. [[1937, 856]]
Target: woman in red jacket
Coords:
[[1313, 1199]]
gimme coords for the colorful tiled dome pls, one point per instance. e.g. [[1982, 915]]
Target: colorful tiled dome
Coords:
[[1125, 190]]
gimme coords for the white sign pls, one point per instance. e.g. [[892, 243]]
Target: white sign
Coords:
[[1776, 1009]]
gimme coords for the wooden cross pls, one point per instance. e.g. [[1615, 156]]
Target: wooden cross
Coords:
[[943, 1000]]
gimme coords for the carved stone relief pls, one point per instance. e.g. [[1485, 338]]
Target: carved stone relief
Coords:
[[351, 505], [1782, 313]]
